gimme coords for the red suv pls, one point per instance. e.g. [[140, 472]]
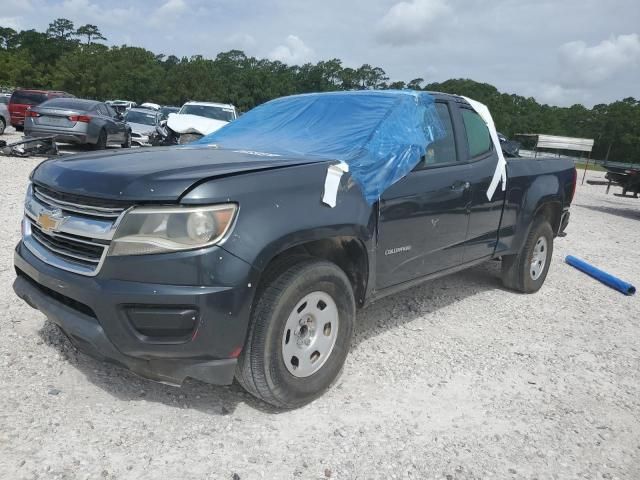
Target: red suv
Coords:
[[23, 99]]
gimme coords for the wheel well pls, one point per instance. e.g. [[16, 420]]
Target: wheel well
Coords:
[[348, 253], [552, 211]]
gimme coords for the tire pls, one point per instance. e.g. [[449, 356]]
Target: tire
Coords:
[[518, 271], [127, 141], [3, 125], [265, 368], [19, 128], [101, 143]]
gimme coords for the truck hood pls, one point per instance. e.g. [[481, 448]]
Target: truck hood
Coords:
[[151, 174]]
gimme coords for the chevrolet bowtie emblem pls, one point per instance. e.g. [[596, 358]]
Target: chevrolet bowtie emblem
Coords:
[[51, 221]]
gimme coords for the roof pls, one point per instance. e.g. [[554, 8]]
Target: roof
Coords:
[[37, 90], [561, 143], [144, 110], [211, 104]]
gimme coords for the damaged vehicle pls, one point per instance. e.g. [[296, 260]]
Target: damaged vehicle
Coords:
[[78, 121], [168, 109], [247, 254], [143, 123], [197, 119]]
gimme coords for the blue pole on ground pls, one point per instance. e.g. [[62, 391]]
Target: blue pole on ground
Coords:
[[604, 277]]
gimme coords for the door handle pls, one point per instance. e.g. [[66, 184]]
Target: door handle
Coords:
[[460, 186]]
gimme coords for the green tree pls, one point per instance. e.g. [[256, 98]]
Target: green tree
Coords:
[[61, 29], [92, 32], [7, 37], [416, 84]]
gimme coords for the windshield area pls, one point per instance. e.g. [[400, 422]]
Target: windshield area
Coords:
[[209, 111], [141, 117]]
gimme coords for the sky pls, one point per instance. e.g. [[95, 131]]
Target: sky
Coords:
[[560, 52]]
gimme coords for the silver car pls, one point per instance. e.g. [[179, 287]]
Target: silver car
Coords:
[[73, 120], [4, 116], [143, 123]]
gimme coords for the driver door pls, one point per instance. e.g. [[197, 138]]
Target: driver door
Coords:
[[424, 217]]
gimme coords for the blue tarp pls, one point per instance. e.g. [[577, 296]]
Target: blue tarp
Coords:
[[381, 135]]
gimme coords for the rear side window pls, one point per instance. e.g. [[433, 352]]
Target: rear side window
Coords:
[[110, 111], [69, 103], [478, 136], [28, 98]]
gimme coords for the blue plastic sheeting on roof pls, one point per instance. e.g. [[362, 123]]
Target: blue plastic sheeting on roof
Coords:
[[381, 135]]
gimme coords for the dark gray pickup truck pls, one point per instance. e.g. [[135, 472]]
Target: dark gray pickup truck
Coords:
[[213, 263]]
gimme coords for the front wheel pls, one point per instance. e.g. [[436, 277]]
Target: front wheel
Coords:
[[527, 271], [3, 125], [300, 334]]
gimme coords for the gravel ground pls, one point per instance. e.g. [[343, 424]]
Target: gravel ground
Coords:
[[455, 379]]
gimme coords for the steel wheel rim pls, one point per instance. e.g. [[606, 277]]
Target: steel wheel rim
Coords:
[[310, 334], [539, 258]]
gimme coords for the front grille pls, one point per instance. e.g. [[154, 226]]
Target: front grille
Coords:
[[78, 204], [81, 239], [85, 252]]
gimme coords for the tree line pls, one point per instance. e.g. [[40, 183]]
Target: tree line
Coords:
[[72, 59]]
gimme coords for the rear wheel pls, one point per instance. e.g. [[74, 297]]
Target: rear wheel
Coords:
[[527, 271], [300, 334], [127, 141], [3, 125], [101, 144], [19, 128]]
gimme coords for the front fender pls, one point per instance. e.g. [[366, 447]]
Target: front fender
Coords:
[[282, 208]]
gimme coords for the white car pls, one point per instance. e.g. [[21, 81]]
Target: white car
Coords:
[[201, 118], [151, 106], [4, 114]]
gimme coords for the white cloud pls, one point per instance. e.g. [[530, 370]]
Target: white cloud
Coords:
[[293, 51], [169, 11], [84, 11], [592, 65], [554, 94], [12, 22], [241, 41], [411, 22]]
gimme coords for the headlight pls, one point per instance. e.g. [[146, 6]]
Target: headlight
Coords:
[[147, 230]]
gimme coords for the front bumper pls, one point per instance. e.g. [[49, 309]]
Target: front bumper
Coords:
[[143, 140], [94, 312]]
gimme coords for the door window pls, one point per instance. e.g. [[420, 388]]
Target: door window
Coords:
[[478, 137], [443, 150]]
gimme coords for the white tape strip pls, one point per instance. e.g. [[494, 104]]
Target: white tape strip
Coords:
[[500, 174], [332, 182]]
